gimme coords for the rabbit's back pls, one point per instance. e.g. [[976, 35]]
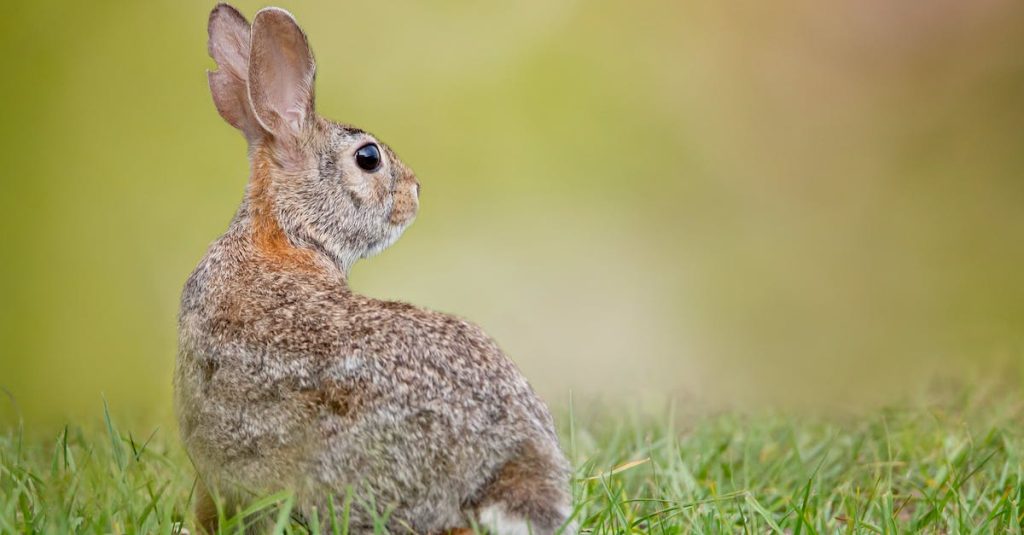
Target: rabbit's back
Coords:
[[286, 376]]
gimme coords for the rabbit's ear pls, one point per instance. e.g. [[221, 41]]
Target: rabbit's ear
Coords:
[[229, 47], [281, 73]]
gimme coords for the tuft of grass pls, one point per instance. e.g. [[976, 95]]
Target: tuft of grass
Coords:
[[889, 471]]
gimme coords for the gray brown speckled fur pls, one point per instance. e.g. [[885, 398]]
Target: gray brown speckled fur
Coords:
[[286, 379]]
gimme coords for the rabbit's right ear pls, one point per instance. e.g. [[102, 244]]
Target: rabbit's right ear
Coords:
[[281, 74], [229, 47]]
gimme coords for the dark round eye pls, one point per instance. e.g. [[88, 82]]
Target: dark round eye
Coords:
[[368, 157]]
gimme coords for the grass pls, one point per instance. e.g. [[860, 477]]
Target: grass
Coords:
[[934, 470]]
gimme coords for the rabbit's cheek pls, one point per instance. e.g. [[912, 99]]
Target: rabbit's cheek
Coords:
[[360, 192], [385, 195]]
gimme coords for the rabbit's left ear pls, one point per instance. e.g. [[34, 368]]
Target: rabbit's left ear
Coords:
[[229, 47], [281, 73]]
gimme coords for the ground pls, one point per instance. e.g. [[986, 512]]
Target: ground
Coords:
[[949, 468]]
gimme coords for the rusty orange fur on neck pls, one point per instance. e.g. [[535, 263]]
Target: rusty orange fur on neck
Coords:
[[267, 235]]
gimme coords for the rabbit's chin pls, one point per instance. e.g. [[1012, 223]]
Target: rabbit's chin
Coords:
[[394, 232]]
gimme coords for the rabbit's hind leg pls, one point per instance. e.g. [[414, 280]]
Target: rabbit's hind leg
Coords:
[[528, 496], [206, 510], [496, 519]]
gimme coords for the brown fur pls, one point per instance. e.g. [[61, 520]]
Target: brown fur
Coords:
[[523, 488], [287, 379], [267, 234], [206, 510]]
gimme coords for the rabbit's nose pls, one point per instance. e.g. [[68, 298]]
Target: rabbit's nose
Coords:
[[417, 189]]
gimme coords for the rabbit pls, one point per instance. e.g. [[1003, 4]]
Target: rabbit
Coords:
[[286, 379]]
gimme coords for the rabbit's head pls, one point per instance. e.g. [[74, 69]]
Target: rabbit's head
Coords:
[[329, 186]]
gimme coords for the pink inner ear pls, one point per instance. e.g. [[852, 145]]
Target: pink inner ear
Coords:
[[233, 53], [295, 118], [288, 95]]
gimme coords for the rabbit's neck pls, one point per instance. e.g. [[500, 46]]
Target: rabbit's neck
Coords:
[[280, 249]]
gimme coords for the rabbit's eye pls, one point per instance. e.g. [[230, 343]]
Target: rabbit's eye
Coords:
[[368, 157]]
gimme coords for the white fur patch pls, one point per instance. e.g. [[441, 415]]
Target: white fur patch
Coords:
[[495, 519]]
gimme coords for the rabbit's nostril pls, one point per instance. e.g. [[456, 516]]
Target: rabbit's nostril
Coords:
[[418, 187]]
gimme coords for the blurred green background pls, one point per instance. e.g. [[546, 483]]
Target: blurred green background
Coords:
[[726, 202]]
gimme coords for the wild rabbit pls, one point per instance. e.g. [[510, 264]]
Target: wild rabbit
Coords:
[[286, 379]]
